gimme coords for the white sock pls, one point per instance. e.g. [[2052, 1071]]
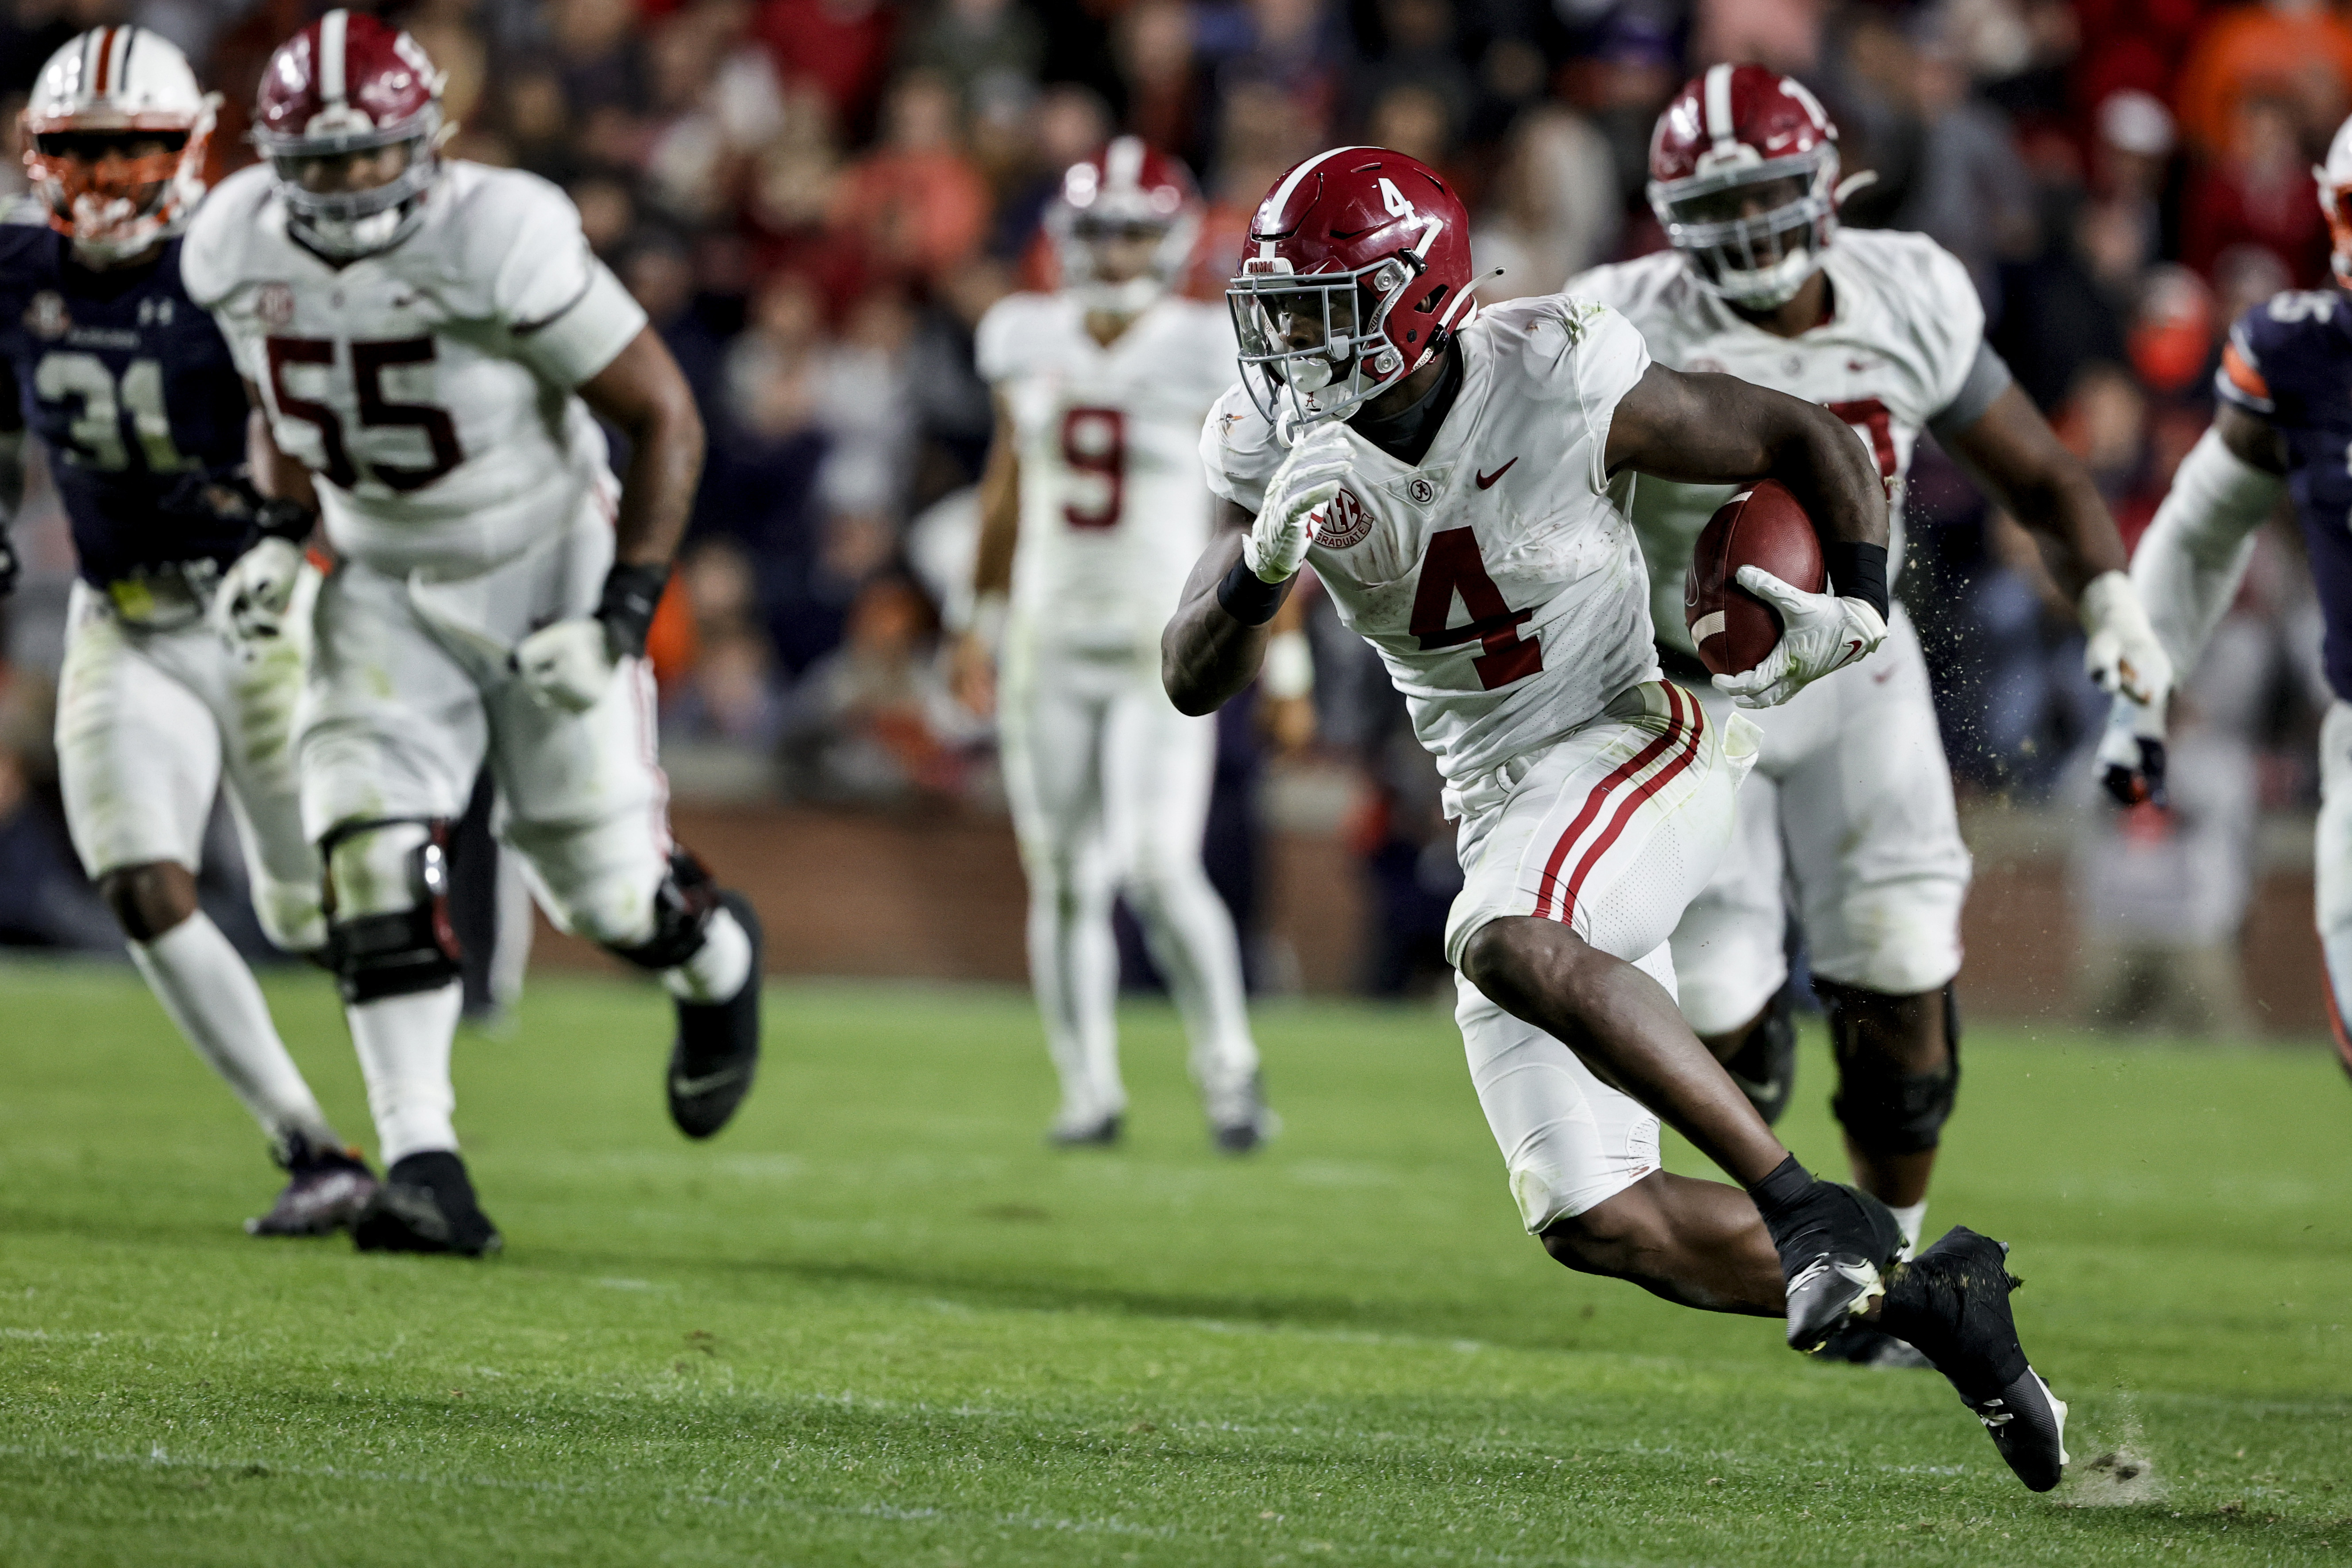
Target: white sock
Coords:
[[211, 996], [1911, 1217], [403, 1050], [719, 967]]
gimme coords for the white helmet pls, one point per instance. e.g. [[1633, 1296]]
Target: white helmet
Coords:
[[2334, 177], [108, 91]]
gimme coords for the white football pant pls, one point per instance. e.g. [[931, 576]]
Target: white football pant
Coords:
[[1612, 830], [1850, 811], [2332, 868], [1110, 787]]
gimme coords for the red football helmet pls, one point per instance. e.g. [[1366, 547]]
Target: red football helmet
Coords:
[[1126, 192], [1743, 177], [347, 83], [1356, 271]]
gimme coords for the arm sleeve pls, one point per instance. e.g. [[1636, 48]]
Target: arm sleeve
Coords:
[[567, 315], [1611, 359], [2193, 555], [1949, 327], [1988, 378]]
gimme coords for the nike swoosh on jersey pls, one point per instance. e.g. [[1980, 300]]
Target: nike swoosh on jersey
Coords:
[[1487, 480]]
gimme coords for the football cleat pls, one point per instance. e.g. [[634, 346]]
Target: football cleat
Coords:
[[325, 1190], [1952, 1303], [427, 1205], [1101, 1133], [1239, 1123], [1836, 1245], [1859, 1343], [716, 1054]]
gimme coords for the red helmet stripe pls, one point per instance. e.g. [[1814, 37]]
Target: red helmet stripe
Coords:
[[334, 32], [101, 51]]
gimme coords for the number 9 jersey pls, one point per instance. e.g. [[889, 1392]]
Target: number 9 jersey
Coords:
[[429, 387], [1114, 508]]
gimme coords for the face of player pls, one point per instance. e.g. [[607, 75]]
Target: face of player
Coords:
[[112, 167], [1745, 203], [1122, 252], [347, 173]]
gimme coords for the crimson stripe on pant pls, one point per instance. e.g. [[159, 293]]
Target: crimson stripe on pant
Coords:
[[1676, 765], [1595, 800]]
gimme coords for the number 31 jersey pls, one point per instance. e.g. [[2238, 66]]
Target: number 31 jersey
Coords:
[[130, 389], [1114, 510], [1896, 354], [429, 388], [1499, 579]]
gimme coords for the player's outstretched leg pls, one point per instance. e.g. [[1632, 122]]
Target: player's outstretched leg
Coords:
[[1834, 1245], [704, 941], [1952, 1303], [210, 993]]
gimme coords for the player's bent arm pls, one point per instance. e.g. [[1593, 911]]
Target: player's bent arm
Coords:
[[640, 391], [2194, 554], [1718, 429], [1209, 653], [2014, 454], [971, 665], [644, 394], [275, 474], [255, 593]]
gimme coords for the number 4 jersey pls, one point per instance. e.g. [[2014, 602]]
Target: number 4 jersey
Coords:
[[1499, 579], [429, 388], [130, 389], [1904, 347], [1113, 510]]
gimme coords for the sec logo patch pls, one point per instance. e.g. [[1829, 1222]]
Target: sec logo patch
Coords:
[[1346, 523], [275, 304]]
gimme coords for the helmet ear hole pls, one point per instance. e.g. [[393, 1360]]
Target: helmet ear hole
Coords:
[[1431, 301]]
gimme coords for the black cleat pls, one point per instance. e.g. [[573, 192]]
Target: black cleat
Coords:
[[1952, 1301], [1765, 1066], [1836, 1245], [1240, 1123], [325, 1190], [1859, 1343], [1099, 1134], [427, 1205], [716, 1054]]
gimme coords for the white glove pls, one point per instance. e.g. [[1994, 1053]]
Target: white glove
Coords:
[[249, 606], [568, 666], [1819, 633], [1295, 499], [2131, 754], [2123, 654]]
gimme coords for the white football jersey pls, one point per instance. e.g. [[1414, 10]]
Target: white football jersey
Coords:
[[1897, 353], [1113, 509], [1499, 579], [429, 388]]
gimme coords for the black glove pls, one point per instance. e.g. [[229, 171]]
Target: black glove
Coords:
[[229, 495], [2141, 785], [631, 595]]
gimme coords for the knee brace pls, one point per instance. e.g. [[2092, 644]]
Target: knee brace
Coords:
[[683, 905], [387, 906], [1883, 1108]]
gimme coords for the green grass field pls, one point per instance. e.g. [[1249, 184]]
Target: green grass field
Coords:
[[876, 1322]]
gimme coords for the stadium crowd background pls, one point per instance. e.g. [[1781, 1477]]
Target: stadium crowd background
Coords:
[[815, 200]]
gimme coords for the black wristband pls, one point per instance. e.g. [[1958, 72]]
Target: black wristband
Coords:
[[1785, 1185], [632, 593], [1858, 572], [1248, 597], [278, 517]]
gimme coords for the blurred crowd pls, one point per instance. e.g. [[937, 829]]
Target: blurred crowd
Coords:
[[815, 200]]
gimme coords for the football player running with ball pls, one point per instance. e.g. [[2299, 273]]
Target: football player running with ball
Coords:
[[136, 401], [2284, 418], [428, 344], [1460, 481], [1852, 800], [1093, 510]]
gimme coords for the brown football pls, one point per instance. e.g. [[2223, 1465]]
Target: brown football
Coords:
[[1761, 526]]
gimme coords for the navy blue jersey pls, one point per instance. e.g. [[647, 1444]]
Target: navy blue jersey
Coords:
[[2289, 363], [132, 389]]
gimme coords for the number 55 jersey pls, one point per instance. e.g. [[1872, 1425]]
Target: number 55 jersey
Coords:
[[427, 388]]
